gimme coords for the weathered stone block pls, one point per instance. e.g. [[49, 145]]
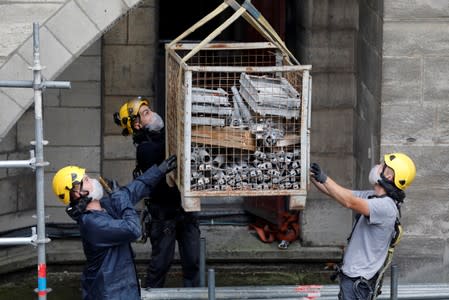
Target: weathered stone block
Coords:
[[51, 97], [402, 122], [132, 3], [54, 56], [330, 14], [86, 157], [432, 223], [94, 49], [421, 259], [366, 143], [370, 25], [333, 90], [369, 63], [118, 147], [341, 167], [73, 28], [401, 80], [84, 68], [142, 22], [65, 127], [9, 112], [118, 33], [442, 133], [17, 22], [8, 190], [26, 192], [103, 12], [435, 79], [325, 222], [8, 143], [120, 170], [82, 94], [128, 70], [3, 157], [16, 68], [304, 13], [375, 5], [415, 38], [406, 9], [332, 131], [330, 50], [26, 129], [148, 3]]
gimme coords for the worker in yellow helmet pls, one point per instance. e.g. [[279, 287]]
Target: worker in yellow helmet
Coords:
[[169, 222], [108, 224], [377, 225]]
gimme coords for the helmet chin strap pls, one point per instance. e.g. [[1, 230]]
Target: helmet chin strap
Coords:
[[392, 191], [77, 207]]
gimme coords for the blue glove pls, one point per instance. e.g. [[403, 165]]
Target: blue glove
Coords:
[[317, 173]]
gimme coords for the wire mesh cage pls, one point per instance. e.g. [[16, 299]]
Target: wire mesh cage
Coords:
[[238, 119]]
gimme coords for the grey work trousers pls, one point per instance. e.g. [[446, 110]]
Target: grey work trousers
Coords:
[[355, 288]]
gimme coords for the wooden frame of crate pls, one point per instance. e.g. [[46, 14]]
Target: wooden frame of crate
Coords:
[[181, 78]]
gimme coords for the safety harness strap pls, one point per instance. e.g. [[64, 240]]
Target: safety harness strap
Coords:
[[394, 242]]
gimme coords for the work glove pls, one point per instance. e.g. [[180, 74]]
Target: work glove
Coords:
[[317, 173], [77, 207], [168, 165]]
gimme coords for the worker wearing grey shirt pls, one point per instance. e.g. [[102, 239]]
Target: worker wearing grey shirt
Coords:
[[371, 237], [374, 227]]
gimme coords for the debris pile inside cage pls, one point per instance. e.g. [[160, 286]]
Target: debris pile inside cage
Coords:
[[239, 116], [247, 139]]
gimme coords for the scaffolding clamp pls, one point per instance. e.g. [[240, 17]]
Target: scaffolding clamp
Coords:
[[36, 242]]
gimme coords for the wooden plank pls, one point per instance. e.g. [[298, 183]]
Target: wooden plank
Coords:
[[288, 140], [224, 137]]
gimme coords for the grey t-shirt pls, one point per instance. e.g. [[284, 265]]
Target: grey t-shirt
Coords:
[[369, 243]]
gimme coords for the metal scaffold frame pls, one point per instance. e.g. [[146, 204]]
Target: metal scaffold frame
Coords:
[[36, 162]]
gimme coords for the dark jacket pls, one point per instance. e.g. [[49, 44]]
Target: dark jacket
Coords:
[[110, 271], [151, 151]]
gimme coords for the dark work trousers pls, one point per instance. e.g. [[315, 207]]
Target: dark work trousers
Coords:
[[183, 228], [355, 288]]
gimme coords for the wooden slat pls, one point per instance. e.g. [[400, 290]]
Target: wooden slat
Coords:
[[288, 140], [224, 137]]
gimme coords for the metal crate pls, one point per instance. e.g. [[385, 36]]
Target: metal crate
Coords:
[[238, 119]]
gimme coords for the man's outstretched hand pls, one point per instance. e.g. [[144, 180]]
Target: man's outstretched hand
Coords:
[[168, 165], [317, 173]]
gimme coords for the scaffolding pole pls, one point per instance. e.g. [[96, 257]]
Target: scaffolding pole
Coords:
[[36, 162]]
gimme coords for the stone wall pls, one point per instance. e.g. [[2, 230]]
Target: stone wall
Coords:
[[415, 120], [327, 37], [369, 63]]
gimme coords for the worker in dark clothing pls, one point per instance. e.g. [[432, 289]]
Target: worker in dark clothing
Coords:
[[375, 230], [170, 223], [108, 224]]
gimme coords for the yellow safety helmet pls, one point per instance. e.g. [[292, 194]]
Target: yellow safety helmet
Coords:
[[128, 114], [403, 167], [64, 180]]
